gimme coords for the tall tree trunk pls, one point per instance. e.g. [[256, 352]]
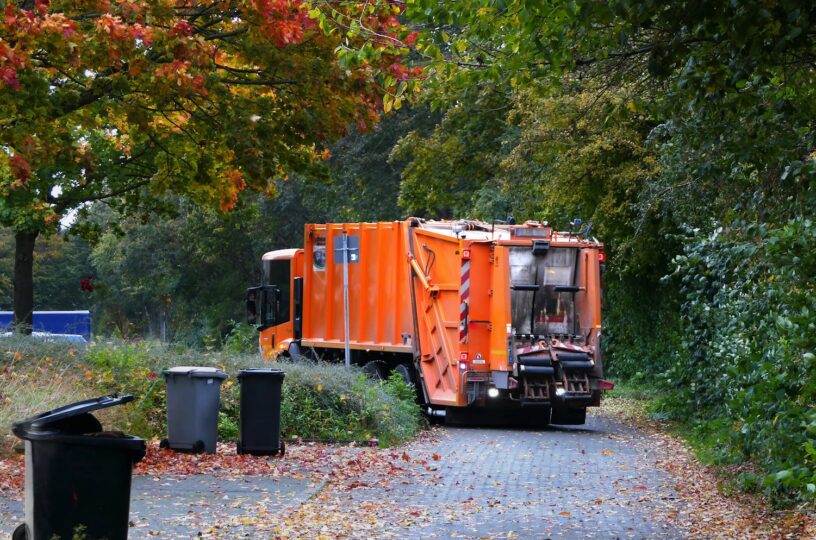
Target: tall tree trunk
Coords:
[[24, 281]]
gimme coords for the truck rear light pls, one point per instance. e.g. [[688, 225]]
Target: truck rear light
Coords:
[[463, 357], [463, 366], [601, 257], [605, 385], [466, 254]]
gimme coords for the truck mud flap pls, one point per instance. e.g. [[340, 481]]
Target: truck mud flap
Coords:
[[568, 416]]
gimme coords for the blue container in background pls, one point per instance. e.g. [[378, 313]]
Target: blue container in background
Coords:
[[76, 323]]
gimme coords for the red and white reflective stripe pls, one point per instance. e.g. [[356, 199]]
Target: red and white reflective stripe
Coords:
[[465, 298]]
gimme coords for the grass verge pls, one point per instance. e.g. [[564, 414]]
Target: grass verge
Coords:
[[320, 401]]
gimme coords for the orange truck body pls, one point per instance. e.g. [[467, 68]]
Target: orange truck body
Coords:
[[476, 315]]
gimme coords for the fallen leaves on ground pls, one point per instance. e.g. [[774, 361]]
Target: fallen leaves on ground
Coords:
[[705, 511], [307, 459], [12, 477]]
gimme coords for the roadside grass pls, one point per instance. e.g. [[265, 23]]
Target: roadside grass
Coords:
[[321, 401]]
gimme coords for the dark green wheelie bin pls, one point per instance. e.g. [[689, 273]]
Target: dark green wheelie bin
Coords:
[[261, 391], [76, 474]]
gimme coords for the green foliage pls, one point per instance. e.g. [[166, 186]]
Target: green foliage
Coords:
[[320, 401], [326, 401], [441, 170], [749, 311], [60, 264], [242, 339], [228, 428]]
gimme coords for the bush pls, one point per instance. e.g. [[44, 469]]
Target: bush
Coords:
[[320, 401], [328, 402], [748, 348]]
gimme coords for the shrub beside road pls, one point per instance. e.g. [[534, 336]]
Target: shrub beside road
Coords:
[[321, 401]]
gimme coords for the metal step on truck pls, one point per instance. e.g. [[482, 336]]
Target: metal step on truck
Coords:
[[484, 319]]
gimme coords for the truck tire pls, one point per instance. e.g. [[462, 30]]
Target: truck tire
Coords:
[[302, 354], [376, 369], [294, 352], [406, 373]]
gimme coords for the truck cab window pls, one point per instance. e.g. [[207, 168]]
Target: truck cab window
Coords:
[[277, 274]]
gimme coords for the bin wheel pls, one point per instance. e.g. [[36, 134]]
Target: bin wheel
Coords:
[[20, 533], [282, 448], [198, 447], [164, 443]]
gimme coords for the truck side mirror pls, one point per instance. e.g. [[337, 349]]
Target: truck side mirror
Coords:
[[252, 305]]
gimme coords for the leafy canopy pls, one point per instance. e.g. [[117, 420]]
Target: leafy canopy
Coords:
[[126, 101]]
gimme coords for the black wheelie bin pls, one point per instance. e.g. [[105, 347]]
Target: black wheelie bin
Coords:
[[77, 476], [260, 412]]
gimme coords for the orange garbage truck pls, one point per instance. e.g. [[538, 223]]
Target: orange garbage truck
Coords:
[[479, 317]]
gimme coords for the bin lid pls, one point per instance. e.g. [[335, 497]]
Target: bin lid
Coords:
[[40, 423], [196, 371], [264, 372]]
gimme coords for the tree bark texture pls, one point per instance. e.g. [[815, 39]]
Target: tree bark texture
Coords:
[[24, 281]]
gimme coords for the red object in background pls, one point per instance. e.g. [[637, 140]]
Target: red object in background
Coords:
[[85, 285]]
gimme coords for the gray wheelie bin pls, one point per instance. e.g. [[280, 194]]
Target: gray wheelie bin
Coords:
[[193, 400]]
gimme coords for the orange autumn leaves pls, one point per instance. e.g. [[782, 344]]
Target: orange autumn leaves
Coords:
[[162, 87]]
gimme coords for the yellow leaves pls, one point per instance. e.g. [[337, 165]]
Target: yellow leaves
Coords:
[[564, 514], [392, 102], [319, 388]]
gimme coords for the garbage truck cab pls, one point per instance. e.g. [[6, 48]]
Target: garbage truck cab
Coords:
[[275, 306]]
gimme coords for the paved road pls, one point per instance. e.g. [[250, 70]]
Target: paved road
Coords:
[[598, 481]]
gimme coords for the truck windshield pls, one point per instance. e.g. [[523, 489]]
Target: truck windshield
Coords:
[[542, 309]]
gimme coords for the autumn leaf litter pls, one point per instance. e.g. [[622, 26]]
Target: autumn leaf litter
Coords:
[[700, 508]]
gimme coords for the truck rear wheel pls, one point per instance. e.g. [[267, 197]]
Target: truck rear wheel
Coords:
[[406, 373], [376, 369]]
